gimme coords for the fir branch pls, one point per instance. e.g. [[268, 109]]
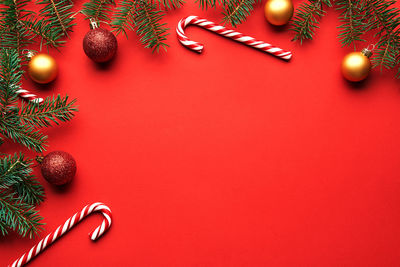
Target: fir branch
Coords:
[[49, 36], [58, 14], [167, 4], [124, 17], [51, 110], [147, 20], [352, 19], [15, 175], [100, 10], [10, 78], [11, 127], [307, 17], [236, 11], [19, 216], [12, 35], [385, 18], [204, 4]]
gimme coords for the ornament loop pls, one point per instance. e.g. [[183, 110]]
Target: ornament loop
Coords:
[[93, 23], [371, 47]]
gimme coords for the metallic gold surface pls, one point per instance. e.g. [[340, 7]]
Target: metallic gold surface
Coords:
[[42, 68], [356, 66], [278, 12]]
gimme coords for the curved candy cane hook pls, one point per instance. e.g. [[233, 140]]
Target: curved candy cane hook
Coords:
[[221, 30], [62, 229]]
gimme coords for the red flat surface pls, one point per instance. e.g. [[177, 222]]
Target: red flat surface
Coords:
[[229, 158]]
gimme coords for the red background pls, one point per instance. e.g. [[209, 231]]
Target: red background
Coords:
[[228, 158]]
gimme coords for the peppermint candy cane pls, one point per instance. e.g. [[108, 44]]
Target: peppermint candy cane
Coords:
[[221, 30], [25, 94], [62, 229]]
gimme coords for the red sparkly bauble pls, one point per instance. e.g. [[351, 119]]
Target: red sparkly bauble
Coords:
[[58, 167], [100, 45]]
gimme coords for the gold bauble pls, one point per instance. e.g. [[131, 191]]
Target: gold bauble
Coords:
[[42, 68], [278, 12], [356, 65]]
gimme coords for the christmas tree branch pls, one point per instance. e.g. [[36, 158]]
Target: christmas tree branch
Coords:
[[58, 14], [152, 33], [352, 19], [51, 110], [100, 10], [49, 36], [19, 216], [236, 11], [15, 173], [124, 17], [307, 17]]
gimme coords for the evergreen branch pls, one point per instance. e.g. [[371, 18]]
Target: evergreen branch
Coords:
[[12, 35], [236, 11], [26, 135], [352, 18], [385, 18], [100, 10], [124, 17], [49, 36], [167, 4], [58, 14], [19, 216], [10, 78], [51, 110], [204, 4], [15, 175], [147, 20], [306, 19]]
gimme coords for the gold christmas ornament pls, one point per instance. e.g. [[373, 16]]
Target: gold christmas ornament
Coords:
[[42, 68], [278, 12], [356, 65]]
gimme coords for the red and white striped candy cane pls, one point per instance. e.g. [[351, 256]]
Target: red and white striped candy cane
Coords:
[[221, 30], [62, 229], [25, 94]]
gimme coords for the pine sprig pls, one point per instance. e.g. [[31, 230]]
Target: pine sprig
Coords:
[[58, 14], [205, 4], [99, 10], [18, 216], [48, 35], [384, 18], [152, 33], [16, 175], [236, 11], [19, 193], [307, 17], [167, 4], [124, 17], [51, 111], [13, 34], [352, 19]]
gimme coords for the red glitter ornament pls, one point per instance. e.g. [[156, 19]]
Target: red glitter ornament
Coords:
[[99, 44], [58, 167]]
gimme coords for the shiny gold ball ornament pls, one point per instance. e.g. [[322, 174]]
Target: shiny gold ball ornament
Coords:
[[42, 68], [278, 12], [356, 65]]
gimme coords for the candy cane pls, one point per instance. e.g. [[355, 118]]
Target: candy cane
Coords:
[[76, 218], [25, 94], [221, 30]]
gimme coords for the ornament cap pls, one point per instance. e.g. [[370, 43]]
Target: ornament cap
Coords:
[[366, 52], [93, 23]]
